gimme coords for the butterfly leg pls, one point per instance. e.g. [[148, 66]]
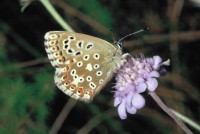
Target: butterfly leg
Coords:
[[124, 58], [126, 55]]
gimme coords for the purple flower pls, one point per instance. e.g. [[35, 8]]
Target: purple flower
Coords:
[[133, 78]]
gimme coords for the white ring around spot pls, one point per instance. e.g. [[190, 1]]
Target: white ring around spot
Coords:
[[86, 57], [73, 72], [79, 64], [99, 73], [88, 78], [96, 66], [96, 56]]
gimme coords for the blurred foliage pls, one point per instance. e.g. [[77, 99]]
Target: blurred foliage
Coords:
[[23, 98], [29, 101], [24, 104], [94, 9]]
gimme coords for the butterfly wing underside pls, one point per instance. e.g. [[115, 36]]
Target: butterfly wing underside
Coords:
[[84, 64]]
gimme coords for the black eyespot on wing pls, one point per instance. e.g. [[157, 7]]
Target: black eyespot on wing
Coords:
[[73, 72], [78, 53], [71, 37], [66, 41], [70, 51], [92, 85], [96, 56], [86, 57], [89, 46], [80, 44], [66, 46]]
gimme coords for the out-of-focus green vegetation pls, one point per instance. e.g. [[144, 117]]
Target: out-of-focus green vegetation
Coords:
[[23, 98], [29, 100]]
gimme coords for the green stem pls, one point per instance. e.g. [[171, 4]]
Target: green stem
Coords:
[[56, 16], [187, 120]]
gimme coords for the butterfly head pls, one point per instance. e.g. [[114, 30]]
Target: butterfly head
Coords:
[[119, 44]]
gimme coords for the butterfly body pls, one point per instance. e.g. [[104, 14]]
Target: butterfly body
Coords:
[[84, 64]]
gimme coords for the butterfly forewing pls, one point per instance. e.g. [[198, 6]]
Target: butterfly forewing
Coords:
[[84, 64]]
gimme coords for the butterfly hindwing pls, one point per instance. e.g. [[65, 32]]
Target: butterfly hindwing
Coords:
[[84, 64]]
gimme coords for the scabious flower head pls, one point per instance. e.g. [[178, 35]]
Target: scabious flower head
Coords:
[[134, 77]]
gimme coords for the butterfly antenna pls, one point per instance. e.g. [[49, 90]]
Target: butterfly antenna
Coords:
[[142, 30]]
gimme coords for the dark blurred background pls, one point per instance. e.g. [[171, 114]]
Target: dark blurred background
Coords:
[[29, 100]]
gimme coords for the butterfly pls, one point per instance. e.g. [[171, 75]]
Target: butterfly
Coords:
[[84, 64]]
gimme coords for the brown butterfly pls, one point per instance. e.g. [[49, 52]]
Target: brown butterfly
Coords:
[[84, 64]]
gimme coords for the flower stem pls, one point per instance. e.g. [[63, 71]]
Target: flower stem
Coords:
[[187, 120], [170, 113], [62, 116], [56, 16]]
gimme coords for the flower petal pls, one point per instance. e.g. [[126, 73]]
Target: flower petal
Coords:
[[122, 110], [130, 86], [157, 61], [138, 101], [141, 87], [154, 74], [152, 84], [129, 99], [131, 110], [117, 101]]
